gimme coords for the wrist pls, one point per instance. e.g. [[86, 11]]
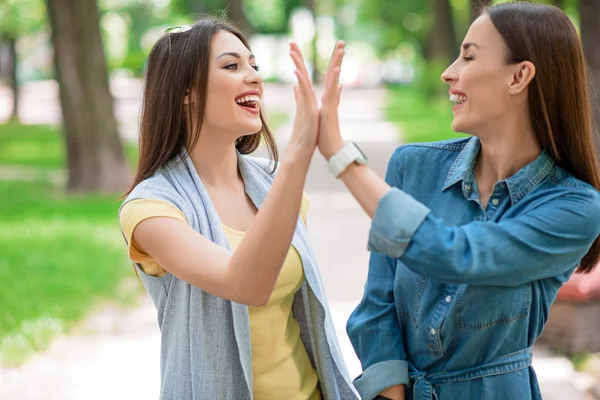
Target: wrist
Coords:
[[297, 155], [331, 148]]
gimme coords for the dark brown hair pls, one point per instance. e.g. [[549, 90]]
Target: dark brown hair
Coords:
[[559, 94], [178, 62]]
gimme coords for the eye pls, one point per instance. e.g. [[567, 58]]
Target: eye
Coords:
[[256, 67], [232, 66], [468, 58]]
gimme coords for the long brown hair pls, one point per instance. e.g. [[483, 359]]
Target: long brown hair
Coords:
[[559, 94], [178, 62]]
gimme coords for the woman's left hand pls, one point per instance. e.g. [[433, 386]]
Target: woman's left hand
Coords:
[[330, 138]]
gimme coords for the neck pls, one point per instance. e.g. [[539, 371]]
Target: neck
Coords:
[[215, 159], [504, 151]]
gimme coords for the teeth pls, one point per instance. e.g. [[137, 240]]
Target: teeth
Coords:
[[248, 99], [458, 98]]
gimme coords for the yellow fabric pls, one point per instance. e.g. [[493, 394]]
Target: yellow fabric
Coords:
[[281, 368], [135, 212]]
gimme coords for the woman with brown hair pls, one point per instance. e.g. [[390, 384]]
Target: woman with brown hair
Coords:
[[219, 238], [471, 239]]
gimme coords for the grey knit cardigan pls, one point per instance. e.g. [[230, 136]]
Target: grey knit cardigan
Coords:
[[205, 340]]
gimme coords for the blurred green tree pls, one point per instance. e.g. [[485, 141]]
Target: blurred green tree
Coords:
[[237, 14], [17, 18], [94, 151], [477, 6]]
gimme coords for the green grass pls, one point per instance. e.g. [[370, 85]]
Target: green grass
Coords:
[[419, 119], [39, 146], [59, 256]]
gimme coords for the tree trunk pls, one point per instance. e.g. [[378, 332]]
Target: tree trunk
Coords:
[[12, 73], [94, 151], [590, 32], [440, 48], [477, 6], [238, 16], [441, 43]]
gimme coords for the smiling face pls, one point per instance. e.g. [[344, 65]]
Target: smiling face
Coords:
[[480, 79], [234, 87]]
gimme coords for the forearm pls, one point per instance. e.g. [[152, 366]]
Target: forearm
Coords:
[[365, 185], [394, 393], [267, 241]]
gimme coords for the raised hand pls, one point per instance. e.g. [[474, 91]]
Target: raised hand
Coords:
[[330, 139], [306, 124]]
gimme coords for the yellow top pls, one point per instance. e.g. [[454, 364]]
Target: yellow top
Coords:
[[281, 368]]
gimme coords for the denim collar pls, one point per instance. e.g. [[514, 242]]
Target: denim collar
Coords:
[[518, 185]]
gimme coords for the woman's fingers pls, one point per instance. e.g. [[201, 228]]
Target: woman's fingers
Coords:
[[332, 77], [335, 63], [296, 50], [305, 86]]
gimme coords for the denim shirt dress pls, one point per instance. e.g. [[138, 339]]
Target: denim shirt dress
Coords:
[[457, 294]]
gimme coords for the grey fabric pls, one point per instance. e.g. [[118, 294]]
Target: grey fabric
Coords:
[[205, 340]]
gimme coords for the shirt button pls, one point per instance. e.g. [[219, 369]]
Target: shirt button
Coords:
[[495, 202], [432, 331], [448, 299]]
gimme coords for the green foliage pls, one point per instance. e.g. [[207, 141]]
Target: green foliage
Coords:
[[267, 16], [395, 21], [59, 255], [18, 17], [419, 119]]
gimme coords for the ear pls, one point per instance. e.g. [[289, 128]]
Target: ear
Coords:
[[523, 74]]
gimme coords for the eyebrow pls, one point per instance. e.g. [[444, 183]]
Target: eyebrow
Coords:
[[236, 55], [470, 44]]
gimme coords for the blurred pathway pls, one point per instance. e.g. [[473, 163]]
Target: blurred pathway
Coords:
[[118, 358]]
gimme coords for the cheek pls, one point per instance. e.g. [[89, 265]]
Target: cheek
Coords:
[[486, 92]]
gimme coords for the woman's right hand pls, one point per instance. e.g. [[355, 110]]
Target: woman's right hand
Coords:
[[306, 123]]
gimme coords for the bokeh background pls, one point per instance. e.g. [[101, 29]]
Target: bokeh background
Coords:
[[73, 316]]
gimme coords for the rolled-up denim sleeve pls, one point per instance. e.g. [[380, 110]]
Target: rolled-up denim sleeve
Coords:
[[375, 334], [396, 220], [546, 241]]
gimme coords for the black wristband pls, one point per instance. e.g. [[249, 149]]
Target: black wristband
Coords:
[[380, 397]]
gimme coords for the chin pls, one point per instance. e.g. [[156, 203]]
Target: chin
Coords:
[[252, 129], [255, 128], [460, 126], [455, 125]]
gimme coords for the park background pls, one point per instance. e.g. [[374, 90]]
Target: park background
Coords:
[[75, 322]]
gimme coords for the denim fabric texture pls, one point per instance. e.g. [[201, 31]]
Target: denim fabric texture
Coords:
[[457, 294]]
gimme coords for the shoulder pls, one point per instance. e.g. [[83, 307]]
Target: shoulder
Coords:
[[266, 164], [434, 156], [577, 202], [565, 185], [442, 148], [157, 187], [136, 211]]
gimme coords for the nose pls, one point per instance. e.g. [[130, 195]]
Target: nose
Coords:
[[450, 76], [254, 77]]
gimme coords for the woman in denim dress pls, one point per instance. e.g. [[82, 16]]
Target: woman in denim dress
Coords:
[[472, 238]]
